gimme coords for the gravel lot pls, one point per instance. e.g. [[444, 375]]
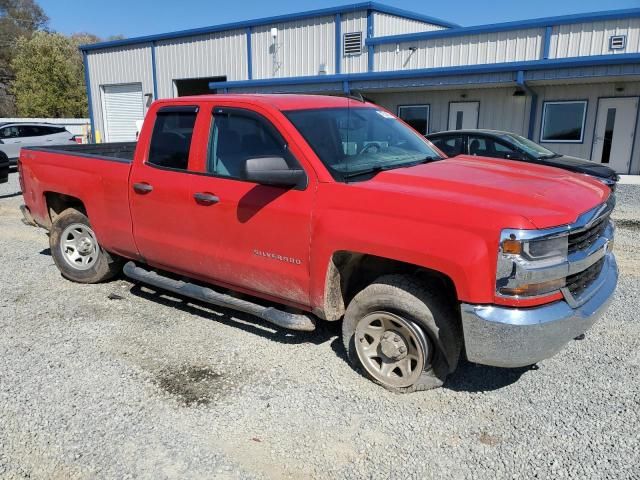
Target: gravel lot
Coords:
[[115, 381]]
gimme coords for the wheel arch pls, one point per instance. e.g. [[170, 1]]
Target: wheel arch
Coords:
[[349, 272]]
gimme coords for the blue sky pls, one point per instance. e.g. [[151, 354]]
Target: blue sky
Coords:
[[141, 17]]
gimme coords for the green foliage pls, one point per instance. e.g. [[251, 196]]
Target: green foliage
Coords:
[[49, 76], [18, 18]]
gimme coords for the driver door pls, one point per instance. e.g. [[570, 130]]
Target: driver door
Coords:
[[249, 236]]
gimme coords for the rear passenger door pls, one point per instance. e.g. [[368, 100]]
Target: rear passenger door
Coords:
[[161, 194]]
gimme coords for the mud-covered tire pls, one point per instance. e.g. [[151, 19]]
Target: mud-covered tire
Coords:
[[422, 312], [99, 267]]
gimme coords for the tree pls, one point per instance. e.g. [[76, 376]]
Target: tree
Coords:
[[49, 76], [18, 18]]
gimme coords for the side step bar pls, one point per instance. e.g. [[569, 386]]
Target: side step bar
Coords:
[[291, 321]]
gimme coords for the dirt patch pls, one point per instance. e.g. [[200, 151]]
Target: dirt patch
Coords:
[[488, 439], [195, 385], [628, 224]]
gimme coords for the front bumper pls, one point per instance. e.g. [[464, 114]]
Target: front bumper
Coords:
[[516, 337]]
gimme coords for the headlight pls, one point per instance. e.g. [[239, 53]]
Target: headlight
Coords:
[[533, 267]]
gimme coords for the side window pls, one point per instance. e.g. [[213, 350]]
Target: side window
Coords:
[[451, 146], [171, 138], [28, 131], [505, 151], [238, 136], [480, 146]]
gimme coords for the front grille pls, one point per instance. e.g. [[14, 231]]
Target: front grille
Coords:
[[579, 282], [584, 239]]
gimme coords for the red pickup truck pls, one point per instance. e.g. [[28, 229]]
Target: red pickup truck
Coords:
[[297, 208]]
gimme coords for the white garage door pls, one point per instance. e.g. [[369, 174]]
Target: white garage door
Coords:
[[123, 107]]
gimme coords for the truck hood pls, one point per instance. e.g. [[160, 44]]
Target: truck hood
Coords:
[[545, 197]]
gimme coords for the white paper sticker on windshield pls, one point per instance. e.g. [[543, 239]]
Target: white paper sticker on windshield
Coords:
[[384, 114]]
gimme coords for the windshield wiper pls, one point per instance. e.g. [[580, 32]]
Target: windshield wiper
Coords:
[[382, 168], [547, 157]]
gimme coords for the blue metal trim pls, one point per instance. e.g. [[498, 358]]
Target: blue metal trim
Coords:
[[269, 20], [249, 55], [345, 87], [338, 32], [89, 99], [571, 62], [370, 49], [501, 27], [153, 71], [533, 110], [546, 46]]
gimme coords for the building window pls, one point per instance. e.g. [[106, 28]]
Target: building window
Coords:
[[563, 122], [352, 43], [415, 115]]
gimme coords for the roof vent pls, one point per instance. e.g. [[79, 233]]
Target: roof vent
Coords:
[[352, 43], [617, 42]]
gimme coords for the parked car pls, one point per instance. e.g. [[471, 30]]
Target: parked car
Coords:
[[496, 144], [4, 168], [324, 208], [14, 136]]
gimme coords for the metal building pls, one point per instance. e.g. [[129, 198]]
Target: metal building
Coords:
[[570, 82]]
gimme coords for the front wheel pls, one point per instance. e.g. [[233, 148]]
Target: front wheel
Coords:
[[402, 335], [76, 251]]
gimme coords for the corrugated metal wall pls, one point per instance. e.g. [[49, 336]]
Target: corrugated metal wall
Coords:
[[516, 45], [499, 109], [385, 24], [592, 38], [351, 23], [302, 46], [115, 66], [211, 55]]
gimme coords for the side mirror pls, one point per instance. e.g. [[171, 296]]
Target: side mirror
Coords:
[[274, 171]]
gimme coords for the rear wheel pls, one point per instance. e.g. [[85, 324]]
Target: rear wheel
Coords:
[[76, 251], [402, 335]]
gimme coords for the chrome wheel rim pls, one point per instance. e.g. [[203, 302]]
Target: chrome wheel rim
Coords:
[[391, 349], [79, 246]]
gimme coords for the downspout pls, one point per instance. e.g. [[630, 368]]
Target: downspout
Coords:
[[533, 111]]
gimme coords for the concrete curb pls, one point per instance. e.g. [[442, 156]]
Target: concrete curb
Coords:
[[629, 180]]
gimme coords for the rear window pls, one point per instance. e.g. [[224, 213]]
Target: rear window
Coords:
[[171, 139]]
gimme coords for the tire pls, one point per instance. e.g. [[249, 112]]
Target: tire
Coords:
[[90, 263], [403, 307]]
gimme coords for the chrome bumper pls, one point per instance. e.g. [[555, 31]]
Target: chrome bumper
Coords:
[[516, 337]]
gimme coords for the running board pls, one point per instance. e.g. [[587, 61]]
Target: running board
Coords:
[[291, 321]]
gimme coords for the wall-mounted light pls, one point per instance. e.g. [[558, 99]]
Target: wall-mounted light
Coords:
[[619, 88], [519, 93], [463, 95]]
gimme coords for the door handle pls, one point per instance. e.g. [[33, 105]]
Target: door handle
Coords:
[[142, 188], [205, 198]]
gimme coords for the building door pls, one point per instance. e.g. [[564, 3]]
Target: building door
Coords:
[[123, 106], [615, 132], [463, 115]]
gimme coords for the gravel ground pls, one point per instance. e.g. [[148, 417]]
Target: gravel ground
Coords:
[[114, 381]]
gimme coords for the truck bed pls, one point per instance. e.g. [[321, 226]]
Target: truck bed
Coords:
[[120, 151]]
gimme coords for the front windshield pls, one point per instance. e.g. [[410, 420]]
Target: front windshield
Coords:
[[350, 141], [532, 148]]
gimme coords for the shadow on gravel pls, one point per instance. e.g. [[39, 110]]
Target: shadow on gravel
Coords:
[[46, 252], [471, 377], [324, 332], [628, 224], [10, 195]]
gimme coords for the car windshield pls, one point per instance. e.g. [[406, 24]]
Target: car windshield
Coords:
[[529, 147], [355, 141]]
